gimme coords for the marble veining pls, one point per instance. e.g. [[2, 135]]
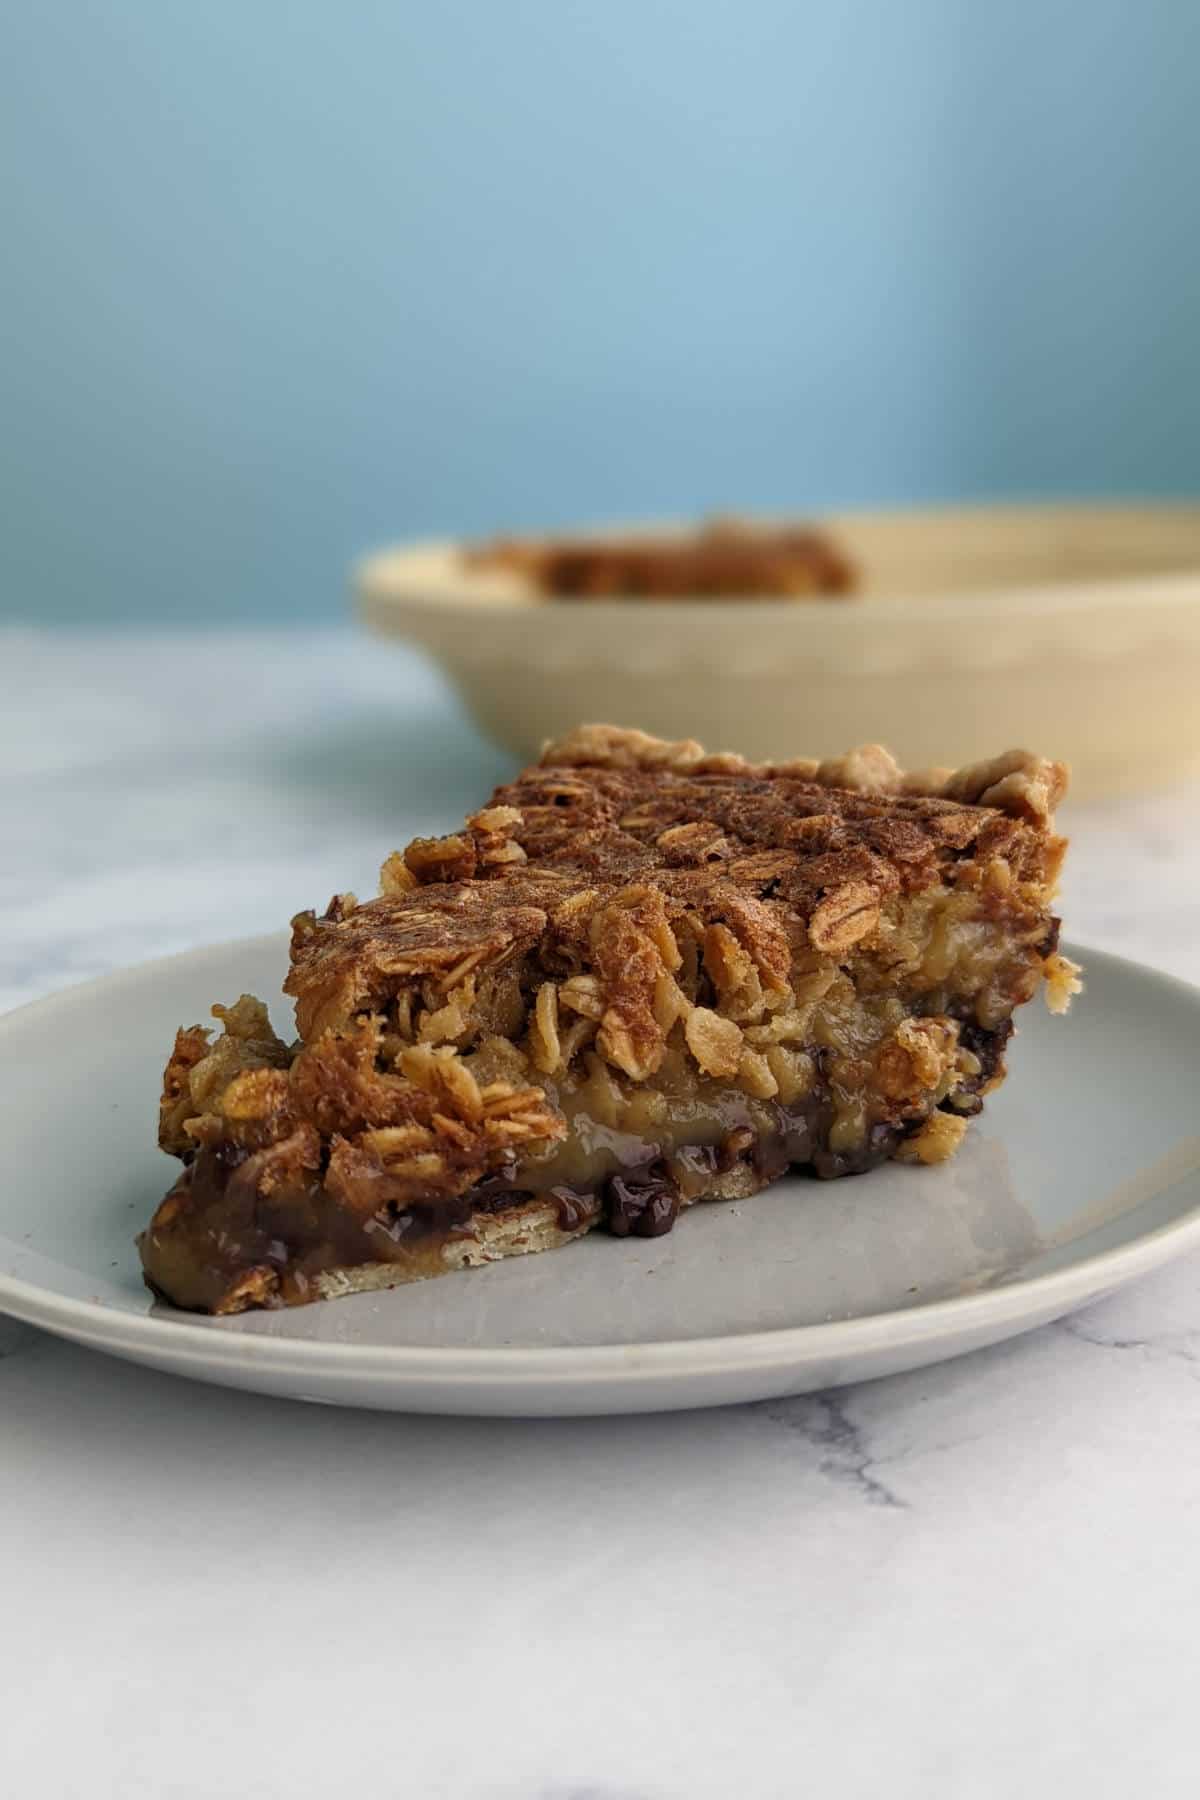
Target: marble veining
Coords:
[[844, 1455], [1181, 1347], [976, 1579]]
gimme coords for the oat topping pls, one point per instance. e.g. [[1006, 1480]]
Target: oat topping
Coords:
[[624, 888]]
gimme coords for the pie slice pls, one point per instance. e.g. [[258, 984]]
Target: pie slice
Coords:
[[640, 977], [722, 559]]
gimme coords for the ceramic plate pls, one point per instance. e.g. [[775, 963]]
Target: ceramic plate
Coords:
[[1083, 1173]]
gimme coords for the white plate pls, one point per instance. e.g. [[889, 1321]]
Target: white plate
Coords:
[[1083, 1173]]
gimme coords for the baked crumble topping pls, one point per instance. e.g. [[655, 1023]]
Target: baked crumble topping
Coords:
[[722, 559], [640, 976]]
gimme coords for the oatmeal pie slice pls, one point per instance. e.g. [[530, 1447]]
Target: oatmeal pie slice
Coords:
[[640, 977], [719, 560]]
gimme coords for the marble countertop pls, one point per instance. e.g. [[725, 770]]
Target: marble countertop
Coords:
[[971, 1581]]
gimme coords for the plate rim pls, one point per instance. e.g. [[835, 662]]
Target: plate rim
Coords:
[[218, 1343]]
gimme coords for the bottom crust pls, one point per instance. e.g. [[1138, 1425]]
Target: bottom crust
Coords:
[[519, 1231]]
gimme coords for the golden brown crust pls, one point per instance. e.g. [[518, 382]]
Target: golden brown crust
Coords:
[[492, 1237], [1016, 782]]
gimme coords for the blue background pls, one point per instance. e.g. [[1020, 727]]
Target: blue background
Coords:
[[285, 280]]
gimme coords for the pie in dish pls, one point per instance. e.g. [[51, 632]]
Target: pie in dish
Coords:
[[640, 977], [724, 559]]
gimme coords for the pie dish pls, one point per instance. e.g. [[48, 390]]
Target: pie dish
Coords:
[[968, 628], [723, 559], [640, 977]]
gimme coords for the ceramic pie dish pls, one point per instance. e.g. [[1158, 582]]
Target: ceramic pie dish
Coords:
[[1072, 627]]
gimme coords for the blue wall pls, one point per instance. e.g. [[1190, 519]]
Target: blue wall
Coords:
[[288, 277]]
